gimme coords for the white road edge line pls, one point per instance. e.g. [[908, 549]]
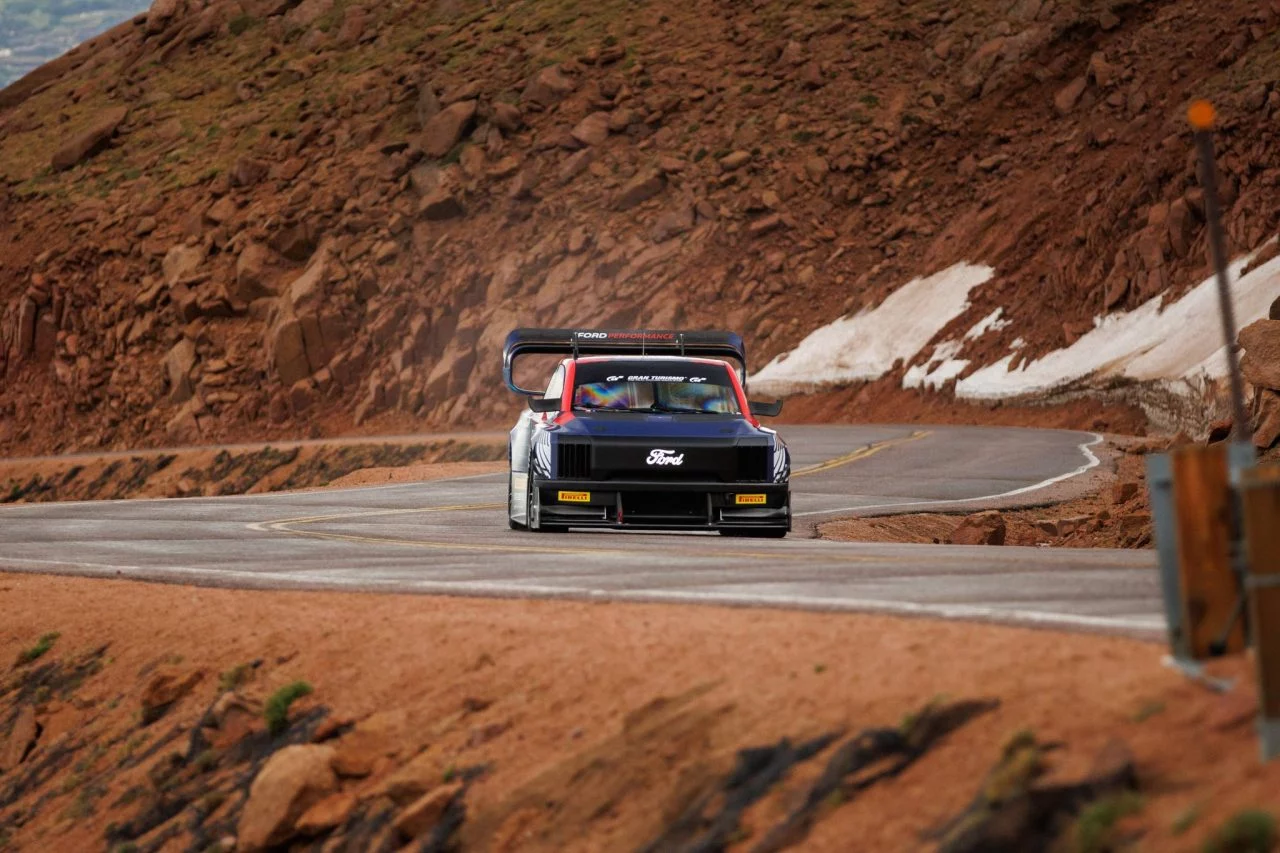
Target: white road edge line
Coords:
[[1091, 461], [969, 612]]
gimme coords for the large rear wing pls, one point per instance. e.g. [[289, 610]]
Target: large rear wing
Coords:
[[579, 342]]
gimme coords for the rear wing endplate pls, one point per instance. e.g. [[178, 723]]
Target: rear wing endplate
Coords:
[[580, 342]]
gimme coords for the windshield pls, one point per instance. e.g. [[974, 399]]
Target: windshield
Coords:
[[681, 387]]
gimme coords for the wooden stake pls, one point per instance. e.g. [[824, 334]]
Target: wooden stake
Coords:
[[1210, 590]]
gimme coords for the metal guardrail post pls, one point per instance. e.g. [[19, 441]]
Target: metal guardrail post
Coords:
[[1261, 500], [1165, 527]]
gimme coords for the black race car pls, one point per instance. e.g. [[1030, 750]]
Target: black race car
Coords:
[[644, 429]]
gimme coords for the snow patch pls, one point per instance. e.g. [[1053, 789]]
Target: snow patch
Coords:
[[867, 345], [944, 366], [1181, 344]]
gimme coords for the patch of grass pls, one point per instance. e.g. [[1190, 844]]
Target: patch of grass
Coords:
[[1093, 829], [803, 136], [1248, 831], [241, 24], [1186, 818], [235, 677], [1148, 710], [39, 650], [206, 761], [819, 668], [870, 100], [276, 711]]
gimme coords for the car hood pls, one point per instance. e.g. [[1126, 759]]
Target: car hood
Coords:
[[638, 425]]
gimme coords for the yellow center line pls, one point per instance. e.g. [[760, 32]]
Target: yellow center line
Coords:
[[859, 454], [287, 525]]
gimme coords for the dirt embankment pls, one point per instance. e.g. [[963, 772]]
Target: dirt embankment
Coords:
[[1117, 515], [549, 726], [197, 472], [247, 219]]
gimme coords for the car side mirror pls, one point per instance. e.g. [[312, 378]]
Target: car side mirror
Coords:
[[765, 410], [544, 404]]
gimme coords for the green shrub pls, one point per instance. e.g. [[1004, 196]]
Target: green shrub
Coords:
[[276, 711], [1249, 831], [37, 651], [1094, 827]]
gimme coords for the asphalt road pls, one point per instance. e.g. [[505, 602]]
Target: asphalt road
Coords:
[[451, 537]]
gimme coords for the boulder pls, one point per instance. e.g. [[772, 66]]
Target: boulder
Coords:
[[1268, 422], [302, 395], [232, 718], [288, 351], [428, 105], [165, 688], [592, 130], [424, 813], [289, 784], [506, 117], [330, 813], [1068, 96], [253, 273], [247, 171], [27, 314], [181, 262], [161, 13], [640, 189], [984, 528], [446, 128], [735, 160], [22, 738], [1261, 362], [673, 223], [412, 781], [441, 203], [178, 363], [548, 86], [90, 140]]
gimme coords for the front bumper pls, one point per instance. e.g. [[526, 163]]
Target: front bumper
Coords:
[[664, 505]]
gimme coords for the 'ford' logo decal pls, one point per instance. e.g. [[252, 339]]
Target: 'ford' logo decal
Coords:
[[664, 457]]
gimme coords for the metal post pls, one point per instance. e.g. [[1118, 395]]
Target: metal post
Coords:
[[1203, 117], [1261, 493]]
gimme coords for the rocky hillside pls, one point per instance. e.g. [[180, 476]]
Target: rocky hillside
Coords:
[[232, 218]]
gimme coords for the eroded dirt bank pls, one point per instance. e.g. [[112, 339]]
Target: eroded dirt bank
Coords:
[[569, 726]]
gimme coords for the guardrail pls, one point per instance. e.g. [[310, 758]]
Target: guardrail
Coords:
[[1217, 517]]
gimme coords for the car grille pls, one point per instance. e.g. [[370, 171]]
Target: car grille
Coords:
[[753, 463], [573, 461]]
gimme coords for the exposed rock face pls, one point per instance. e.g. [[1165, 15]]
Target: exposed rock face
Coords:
[[289, 784], [90, 140], [984, 528], [762, 179]]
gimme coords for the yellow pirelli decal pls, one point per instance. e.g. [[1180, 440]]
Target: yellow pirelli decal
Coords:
[[574, 497], [740, 500]]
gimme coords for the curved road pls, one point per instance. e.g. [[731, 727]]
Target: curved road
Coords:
[[450, 537]]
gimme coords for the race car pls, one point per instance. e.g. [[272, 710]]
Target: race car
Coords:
[[644, 429]]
